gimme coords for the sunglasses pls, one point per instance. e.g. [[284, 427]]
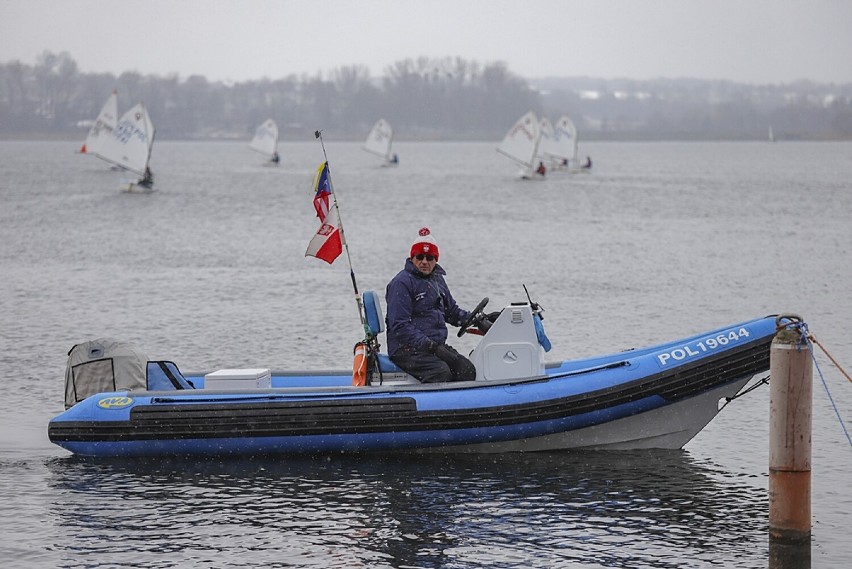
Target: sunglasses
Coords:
[[421, 256]]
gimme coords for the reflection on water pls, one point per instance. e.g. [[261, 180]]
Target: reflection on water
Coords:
[[649, 509]]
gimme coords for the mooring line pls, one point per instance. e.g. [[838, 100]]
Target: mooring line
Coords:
[[808, 337], [812, 338]]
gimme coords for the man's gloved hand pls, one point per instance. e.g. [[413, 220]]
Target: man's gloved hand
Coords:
[[445, 353]]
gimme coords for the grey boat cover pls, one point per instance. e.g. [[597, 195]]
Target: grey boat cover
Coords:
[[106, 364]]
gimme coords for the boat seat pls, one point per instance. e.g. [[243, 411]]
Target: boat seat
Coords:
[[373, 312], [376, 324], [387, 366]]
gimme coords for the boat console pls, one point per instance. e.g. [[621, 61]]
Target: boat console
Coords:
[[512, 348]]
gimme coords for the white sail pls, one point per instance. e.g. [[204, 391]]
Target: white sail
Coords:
[[380, 139], [265, 139], [102, 128], [521, 142], [565, 140], [547, 141], [130, 142]]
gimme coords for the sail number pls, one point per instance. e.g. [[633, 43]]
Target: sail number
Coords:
[[702, 346], [125, 130]]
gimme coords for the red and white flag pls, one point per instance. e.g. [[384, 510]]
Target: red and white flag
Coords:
[[327, 243]]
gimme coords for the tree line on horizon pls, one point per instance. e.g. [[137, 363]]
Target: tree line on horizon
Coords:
[[423, 98]]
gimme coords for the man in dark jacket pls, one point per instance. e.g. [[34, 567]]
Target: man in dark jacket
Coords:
[[419, 306]]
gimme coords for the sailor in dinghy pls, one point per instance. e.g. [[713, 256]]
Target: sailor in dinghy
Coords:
[[379, 142], [521, 146], [129, 146], [147, 180], [265, 141]]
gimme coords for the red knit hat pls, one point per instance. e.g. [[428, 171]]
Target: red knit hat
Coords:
[[425, 244]]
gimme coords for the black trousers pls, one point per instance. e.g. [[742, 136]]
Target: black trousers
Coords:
[[446, 364]]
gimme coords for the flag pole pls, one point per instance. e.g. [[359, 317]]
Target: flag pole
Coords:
[[318, 134]]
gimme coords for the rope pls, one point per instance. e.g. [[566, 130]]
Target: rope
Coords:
[[808, 339], [805, 339], [764, 381], [813, 339]]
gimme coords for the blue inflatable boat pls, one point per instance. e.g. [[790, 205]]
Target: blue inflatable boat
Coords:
[[654, 397]]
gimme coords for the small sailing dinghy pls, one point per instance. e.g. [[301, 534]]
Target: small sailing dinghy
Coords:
[[129, 147], [565, 142], [102, 127], [521, 146], [118, 404], [379, 142], [566, 147], [265, 141], [547, 141]]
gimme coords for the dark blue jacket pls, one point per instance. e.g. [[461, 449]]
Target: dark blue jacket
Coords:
[[419, 308]]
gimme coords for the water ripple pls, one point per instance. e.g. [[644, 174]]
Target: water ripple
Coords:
[[617, 510]]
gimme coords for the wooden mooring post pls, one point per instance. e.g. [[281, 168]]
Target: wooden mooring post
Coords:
[[790, 408]]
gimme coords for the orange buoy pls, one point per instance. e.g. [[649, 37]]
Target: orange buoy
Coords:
[[359, 365]]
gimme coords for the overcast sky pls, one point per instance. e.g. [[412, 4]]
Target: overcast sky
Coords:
[[751, 41]]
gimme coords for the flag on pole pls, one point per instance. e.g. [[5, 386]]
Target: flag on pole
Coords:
[[327, 243], [323, 191]]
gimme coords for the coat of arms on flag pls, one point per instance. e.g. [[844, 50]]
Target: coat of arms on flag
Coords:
[[327, 243]]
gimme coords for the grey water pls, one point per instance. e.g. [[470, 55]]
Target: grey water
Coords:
[[659, 241]]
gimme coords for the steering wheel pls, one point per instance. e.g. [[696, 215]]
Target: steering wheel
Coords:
[[475, 316]]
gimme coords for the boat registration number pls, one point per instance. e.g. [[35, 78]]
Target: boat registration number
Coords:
[[702, 346]]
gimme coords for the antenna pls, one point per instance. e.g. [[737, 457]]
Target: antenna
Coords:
[[535, 306]]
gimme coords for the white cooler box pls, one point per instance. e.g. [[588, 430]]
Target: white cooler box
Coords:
[[249, 378]]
